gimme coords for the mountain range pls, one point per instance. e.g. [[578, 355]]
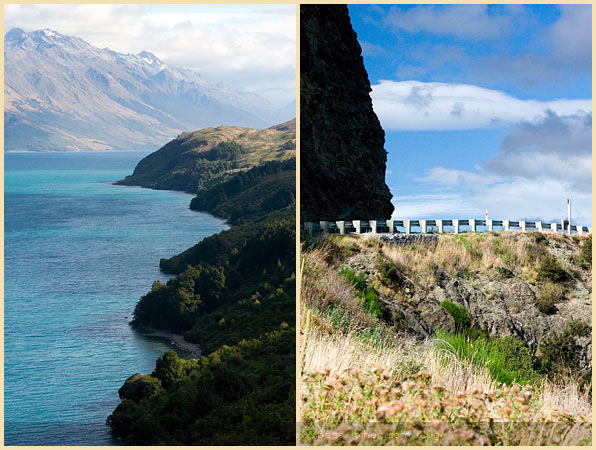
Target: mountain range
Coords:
[[63, 94]]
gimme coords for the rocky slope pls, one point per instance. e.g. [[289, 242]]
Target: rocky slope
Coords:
[[342, 155], [64, 94], [499, 280]]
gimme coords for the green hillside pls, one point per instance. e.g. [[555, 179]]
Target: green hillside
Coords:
[[250, 195], [233, 293], [203, 158]]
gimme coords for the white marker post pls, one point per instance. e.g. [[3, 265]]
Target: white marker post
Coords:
[[569, 216]]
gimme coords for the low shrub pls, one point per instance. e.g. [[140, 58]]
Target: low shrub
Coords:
[[475, 333], [388, 273], [550, 270], [546, 305], [503, 272], [372, 303], [538, 237], [549, 294], [470, 243], [560, 351], [578, 328], [584, 259]]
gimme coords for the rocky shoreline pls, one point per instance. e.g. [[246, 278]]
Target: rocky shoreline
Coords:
[[176, 340]]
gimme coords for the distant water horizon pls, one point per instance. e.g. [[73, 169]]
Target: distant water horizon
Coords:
[[79, 253]]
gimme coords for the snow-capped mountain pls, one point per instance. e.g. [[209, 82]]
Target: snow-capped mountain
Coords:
[[62, 93]]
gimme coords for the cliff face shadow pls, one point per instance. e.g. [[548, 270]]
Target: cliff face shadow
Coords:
[[343, 158]]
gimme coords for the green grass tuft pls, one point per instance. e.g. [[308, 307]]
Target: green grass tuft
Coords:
[[368, 295], [462, 317], [507, 359], [357, 280]]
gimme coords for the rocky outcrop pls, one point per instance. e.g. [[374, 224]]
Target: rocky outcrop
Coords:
[[499, 305], [342, 143]]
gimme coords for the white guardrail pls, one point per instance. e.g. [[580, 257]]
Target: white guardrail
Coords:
[[455, 225]]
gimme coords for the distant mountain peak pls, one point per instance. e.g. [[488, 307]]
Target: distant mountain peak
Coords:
[[48, 35], [42, 38], [63, 93], [15, 34], [149, 57]]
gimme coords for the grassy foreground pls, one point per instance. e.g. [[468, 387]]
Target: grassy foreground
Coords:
[[367, 383]]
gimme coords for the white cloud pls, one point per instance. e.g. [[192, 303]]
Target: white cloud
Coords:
[[557, 148], [369, 49], [520, 199], [462, 21], [414, 105], [452, 177], [250, 47], [537, 168], [572, 35]]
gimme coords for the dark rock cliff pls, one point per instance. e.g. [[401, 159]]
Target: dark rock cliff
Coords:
[[342, 155]]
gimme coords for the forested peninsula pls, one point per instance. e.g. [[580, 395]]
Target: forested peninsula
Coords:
[[233, 293]]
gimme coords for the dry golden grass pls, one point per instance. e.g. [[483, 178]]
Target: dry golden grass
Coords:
[[568, 397], [399, 391], [471, 253], [356, 393], [322, 288], [404, 357]]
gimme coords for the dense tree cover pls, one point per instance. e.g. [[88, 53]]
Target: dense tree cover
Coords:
[[218, 248], [249, 291], [234, 294], [225, 151], [240, 395], [250, 195]]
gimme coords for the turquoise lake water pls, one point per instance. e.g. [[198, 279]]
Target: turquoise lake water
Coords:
[[79, 252]]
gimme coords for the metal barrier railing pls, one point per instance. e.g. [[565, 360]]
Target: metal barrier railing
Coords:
[[392, 226]]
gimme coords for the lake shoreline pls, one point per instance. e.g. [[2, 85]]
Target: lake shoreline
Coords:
[[225, 220], [176, 340], [112, 240]]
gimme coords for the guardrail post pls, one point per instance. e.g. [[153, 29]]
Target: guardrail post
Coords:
[[373, 226], [489, 224], [553, 227], [324, 226], [456, 226], [563, 228], [506, 225], [539, 225], [440, 224], [341, 225], [357, 226], [408, 226], [522, 225], [472, 223], [589, 229], [391, 226], [580, 230], [423, 227]]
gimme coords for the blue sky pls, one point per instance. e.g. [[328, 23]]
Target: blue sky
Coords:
[[484, 107]]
